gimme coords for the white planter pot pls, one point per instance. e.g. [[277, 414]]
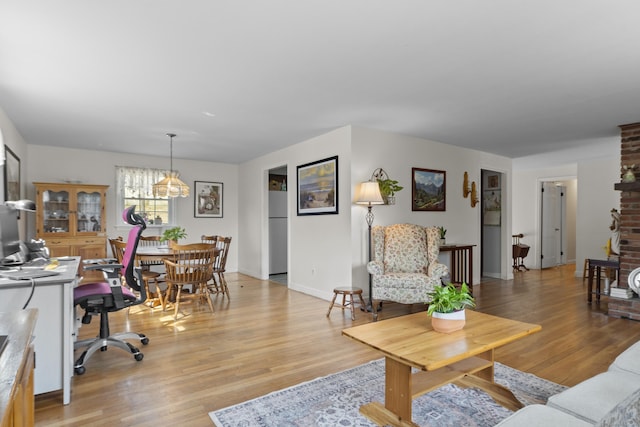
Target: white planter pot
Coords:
[[448, 322]]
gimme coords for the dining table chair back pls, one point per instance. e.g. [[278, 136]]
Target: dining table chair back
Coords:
[[190, 264], [211, 239], [118, 247]]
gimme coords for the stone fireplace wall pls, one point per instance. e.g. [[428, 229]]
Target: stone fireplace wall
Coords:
[[629, 222]]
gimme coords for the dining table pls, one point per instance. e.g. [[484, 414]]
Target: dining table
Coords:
[[158, 253]]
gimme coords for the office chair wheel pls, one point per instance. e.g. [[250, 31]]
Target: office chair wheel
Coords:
[[144, 341], [80, 370], [138, 356]]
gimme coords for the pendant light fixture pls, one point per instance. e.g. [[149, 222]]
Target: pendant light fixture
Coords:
[[171, 185]]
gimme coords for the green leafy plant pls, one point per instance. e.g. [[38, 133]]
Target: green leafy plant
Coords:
[[448, 298], [173, 234], [443, 232], [388, 187]]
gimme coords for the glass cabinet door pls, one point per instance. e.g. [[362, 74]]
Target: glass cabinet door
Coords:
[[88, 210], [56, 211]]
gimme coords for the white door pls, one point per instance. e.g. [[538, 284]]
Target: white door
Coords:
[[551, 225]]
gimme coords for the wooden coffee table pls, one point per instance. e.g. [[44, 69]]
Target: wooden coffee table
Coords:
[[464, 357]]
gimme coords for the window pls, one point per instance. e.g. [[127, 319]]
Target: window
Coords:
[[135, 187]]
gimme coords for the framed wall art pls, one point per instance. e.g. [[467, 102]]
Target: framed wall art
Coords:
[[318, 187], [11, 175], [491, 207], [208, 200], [493, 182], [428, 190]]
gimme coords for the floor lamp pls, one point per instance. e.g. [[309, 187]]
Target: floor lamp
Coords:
[[369, 195]]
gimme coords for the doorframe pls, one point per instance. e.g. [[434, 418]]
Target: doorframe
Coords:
[[563, 221]]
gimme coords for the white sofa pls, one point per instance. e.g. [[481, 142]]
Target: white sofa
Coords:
[[608, 399]]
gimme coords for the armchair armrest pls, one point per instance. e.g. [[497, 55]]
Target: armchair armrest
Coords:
[[375, 267], [438, 270]]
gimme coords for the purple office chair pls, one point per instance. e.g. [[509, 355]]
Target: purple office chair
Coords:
[[104, 297]]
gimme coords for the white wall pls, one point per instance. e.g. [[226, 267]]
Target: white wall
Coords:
[[52, 164], [397, 155], [319, 245], [326, 251], [596, 169], [12, 139]]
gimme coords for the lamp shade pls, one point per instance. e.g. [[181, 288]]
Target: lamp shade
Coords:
[[171, 186], [369, 194]]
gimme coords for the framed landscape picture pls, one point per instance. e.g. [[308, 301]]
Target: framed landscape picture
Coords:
[[318, 187], [208, 199], [11, 175], [428, 190]]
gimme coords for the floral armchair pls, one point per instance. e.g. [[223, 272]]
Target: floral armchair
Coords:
[[405, 265]]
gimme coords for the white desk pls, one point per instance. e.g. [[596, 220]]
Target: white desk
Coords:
[[55, 330]]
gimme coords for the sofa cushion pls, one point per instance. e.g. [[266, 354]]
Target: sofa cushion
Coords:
[[405, 249], [628, 360], [593, 399], [625, 413], [541, 416]]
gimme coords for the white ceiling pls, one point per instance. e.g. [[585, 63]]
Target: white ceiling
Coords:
[[514, 78]]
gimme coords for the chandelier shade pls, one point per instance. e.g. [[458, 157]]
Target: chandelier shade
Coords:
[[171, 185]]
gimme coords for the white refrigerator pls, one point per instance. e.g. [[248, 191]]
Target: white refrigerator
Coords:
[[277, 232]]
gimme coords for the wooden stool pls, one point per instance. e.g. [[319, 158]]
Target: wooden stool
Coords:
[[346, 304]]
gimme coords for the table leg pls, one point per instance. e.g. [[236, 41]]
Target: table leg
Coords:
[[590, 282], [397, 393], [397, 397]]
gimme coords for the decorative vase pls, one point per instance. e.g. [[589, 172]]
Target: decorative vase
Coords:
[[391, 200], [448, 322], [443, 241]]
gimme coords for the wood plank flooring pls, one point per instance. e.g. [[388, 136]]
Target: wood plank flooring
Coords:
[[267, 338]]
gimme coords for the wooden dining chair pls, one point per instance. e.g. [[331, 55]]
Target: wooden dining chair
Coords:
[[190, 264], [219, 285], [117, 248], [220, 265]]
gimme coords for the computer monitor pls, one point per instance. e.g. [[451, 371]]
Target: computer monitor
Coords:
[[9, 236]]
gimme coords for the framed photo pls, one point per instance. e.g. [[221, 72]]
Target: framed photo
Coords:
[[493, 182], [11, 175], [491, 207], [208, 200], [318, 187], [428, 190]]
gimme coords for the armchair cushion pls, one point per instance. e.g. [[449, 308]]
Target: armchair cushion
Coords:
[[405, 249]]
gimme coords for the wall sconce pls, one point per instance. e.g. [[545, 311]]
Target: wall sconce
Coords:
[[465, 186], [466, 191]]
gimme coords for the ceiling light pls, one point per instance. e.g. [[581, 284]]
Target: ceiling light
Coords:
[[171, 185]]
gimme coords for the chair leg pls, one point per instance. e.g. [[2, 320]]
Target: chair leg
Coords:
[[160, 296], [352, 307], [333, 301], [177, 303], [222, 282], [206, 294]]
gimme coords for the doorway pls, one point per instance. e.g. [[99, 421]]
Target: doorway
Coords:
[[278, 224], [557, 234], [491, 204]]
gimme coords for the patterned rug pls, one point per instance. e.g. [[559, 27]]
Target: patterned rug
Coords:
[[335, 400]]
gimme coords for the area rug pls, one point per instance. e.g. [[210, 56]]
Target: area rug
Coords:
[[335, 400]]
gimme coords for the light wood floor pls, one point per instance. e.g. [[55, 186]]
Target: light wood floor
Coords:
[[267, 338]]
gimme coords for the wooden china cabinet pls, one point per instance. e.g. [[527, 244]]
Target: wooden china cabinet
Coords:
[[71, 219]]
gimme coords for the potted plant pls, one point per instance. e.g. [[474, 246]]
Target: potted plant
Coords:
[[443, 235], [388, 188], [173, 234], [447, 307]]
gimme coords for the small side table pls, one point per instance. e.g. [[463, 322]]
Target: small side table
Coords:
[[595, 266], [350, 292]]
